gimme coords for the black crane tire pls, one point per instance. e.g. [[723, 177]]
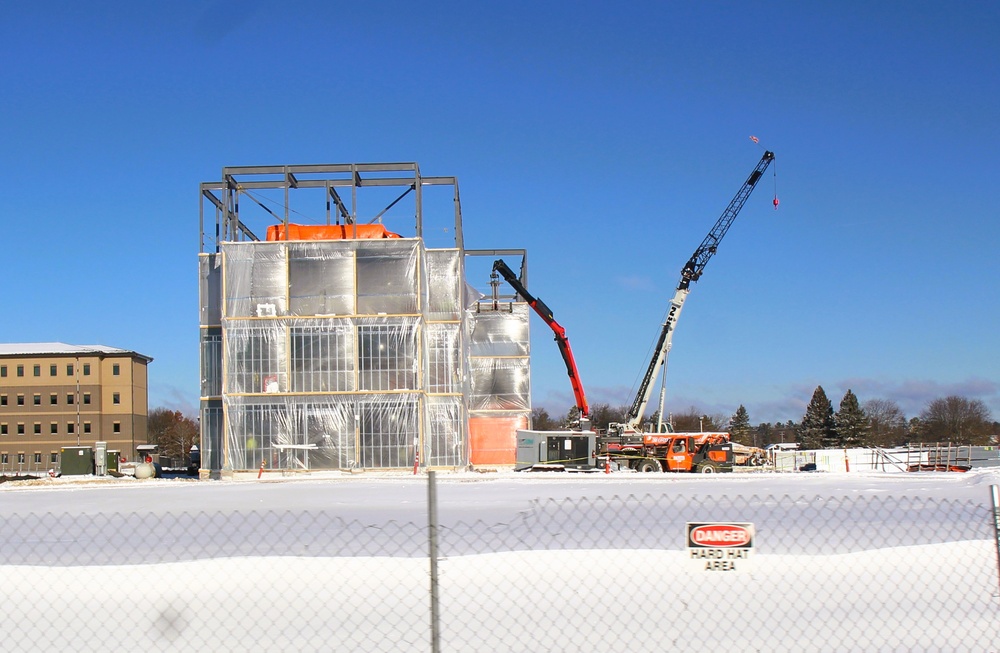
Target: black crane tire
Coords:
[[648, 465]]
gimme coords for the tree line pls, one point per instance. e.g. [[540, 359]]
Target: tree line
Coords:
[[874, 423]]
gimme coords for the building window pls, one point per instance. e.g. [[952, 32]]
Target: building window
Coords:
[[53, 458], [20, 400], [70, 399], [4, 459], [38, 428], [69, 369], [86, 398], [3, 370], [38, 458], [116, 398], [53, 370], [86, 427], [20, 428], [3, 429], [3, 400], [70, 427], [54, 428], [38, 400], [36, 370], [20, 458], [116, 369], [20, 370], [53, 399], [86, 369], [116, 427]]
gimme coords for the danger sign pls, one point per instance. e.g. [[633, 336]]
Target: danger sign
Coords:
[[719, 545]]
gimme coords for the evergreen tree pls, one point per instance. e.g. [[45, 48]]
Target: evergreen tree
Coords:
[[739, 426], [851, 422], [817, 430]]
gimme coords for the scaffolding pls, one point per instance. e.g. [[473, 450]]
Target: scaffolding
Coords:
[[355, 352]]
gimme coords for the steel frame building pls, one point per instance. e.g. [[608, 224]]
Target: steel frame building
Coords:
[[351, 352]]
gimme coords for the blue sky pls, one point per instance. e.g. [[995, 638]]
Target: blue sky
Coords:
[[605, 139]]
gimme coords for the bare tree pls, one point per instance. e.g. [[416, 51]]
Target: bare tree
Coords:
[[693, 420], [540, 420], [173, 432], [887, 424], [957, 419], [603, 414]]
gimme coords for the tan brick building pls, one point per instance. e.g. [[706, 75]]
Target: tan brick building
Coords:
[[54, 395]]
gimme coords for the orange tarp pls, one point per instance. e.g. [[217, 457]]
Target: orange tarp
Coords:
[[493, 440], [328, 231]]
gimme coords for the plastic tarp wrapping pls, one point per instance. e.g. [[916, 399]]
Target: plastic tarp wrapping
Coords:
[[500, 384], [211, 434], [444, 442], [502, 332], [444, 285], [211, 362], [322, 432], [444, 362], [351, 354], [255, 357], [321, 278], [322, 355], [255, 279], [388, 354], [210, 289], [387, 277]]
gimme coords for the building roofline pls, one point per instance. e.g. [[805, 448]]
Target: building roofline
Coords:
[[8, 350]]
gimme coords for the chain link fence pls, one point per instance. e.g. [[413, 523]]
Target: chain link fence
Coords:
[[601, 574]]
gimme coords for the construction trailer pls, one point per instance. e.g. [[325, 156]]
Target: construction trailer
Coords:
[[350, 341]]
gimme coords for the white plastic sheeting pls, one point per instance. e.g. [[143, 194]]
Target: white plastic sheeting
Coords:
[[333, 355], [499, 359]]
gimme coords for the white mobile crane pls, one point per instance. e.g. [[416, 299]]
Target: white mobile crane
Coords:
[[628, 435]]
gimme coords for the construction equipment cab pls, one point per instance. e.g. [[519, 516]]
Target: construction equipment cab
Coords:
[[704, 453]]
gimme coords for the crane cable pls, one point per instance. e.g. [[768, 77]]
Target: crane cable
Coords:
[[774, 171]]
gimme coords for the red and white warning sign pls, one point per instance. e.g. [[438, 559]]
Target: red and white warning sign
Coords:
[[719, 545]]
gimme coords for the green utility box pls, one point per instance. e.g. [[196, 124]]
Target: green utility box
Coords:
[[76, 461], [113, 458]]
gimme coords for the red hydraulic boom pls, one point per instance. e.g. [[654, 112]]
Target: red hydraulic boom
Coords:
[[546, 314]]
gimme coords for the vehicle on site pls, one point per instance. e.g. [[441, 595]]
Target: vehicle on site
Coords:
[[650, 447], [705, 453]]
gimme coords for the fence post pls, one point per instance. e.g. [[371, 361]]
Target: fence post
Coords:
[[432, 531], [996, 523]]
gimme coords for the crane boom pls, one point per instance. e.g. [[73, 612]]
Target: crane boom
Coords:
[[560, 333], [691, 272]]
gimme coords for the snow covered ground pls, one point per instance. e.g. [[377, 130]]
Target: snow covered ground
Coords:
[[527, 562]]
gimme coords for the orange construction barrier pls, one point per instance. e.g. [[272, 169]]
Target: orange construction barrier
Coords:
[[328, 232], [493, 440]]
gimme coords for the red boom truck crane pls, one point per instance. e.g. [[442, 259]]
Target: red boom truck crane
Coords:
[[554, 450]]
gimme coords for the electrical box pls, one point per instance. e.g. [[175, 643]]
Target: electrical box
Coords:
[[556, 450], [76, 461], [100, 458]]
